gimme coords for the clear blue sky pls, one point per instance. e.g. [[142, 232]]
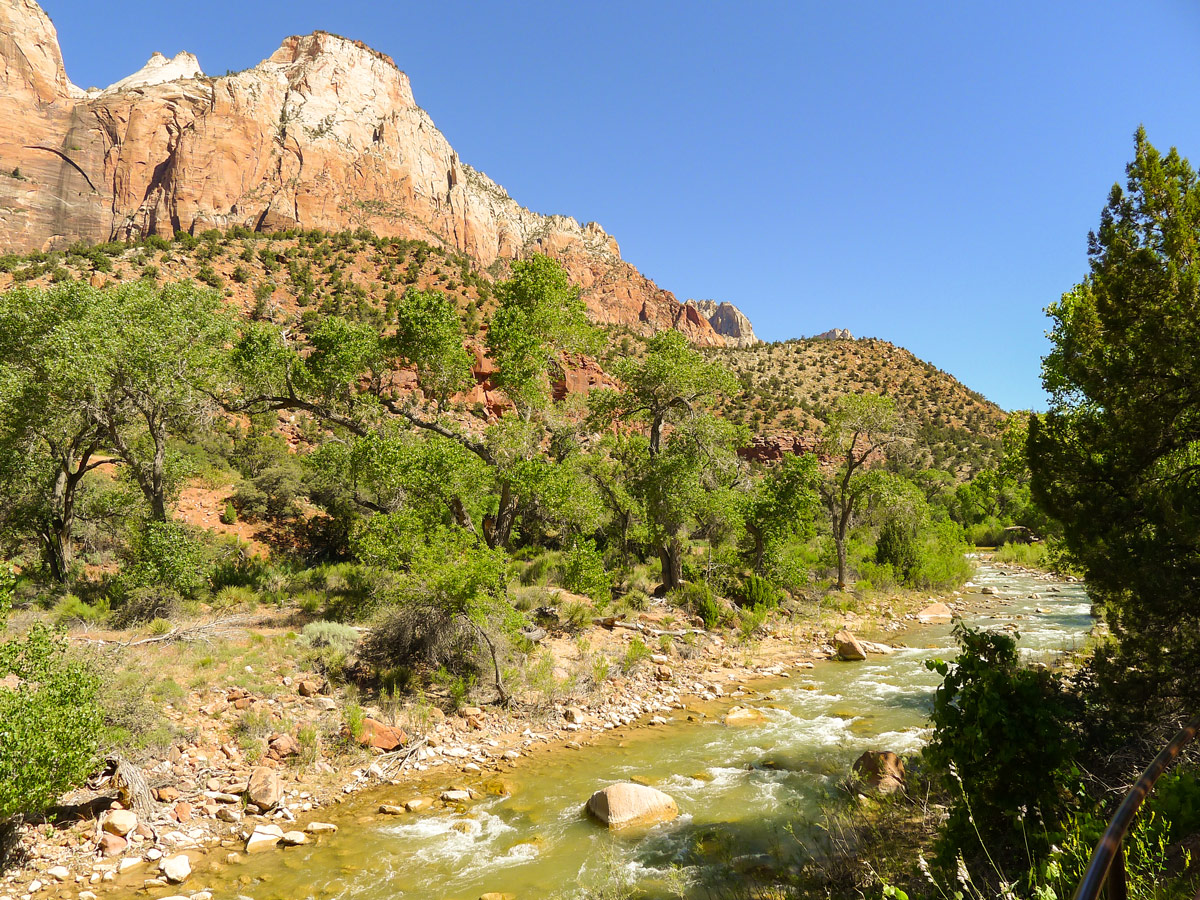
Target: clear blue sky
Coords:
[[921, 172]]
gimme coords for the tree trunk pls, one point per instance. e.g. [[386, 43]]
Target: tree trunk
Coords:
[[500, 532], [671, 556], [839, 541], [157, 497], [482, 632]]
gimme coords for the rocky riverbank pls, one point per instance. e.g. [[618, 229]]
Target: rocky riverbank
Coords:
[[214, 799]]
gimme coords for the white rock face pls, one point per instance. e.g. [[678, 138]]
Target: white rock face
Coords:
[[159, 70], [728, 321]]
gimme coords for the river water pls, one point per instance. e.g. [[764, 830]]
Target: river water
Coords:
[[747, 796]]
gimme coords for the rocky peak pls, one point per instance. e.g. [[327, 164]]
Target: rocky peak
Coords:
[[834, 334], [728, 321], [158, 70]]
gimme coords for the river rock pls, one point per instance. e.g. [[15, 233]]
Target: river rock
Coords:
[[417, 804], [456, 796], [848, 647], [935, 614], [264, 837], [320, 828], [741, 716], [383, 737], [293, 838], [389, 810], [265, 788], [881, 770], [176, 869], [497, 895], [111, 844], [120, 821], [626, 804]]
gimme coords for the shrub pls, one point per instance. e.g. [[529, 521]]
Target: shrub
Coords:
[[697, 598], [636, 652], [330, 634], [229, 514], [759, 592], [70, 609], [52, 721], [1003, 744], [584, 573], [166, 553], [146, 604]]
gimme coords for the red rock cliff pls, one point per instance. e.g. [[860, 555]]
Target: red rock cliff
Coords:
[[323, 134]]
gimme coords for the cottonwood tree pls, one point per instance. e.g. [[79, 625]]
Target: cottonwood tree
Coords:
[[344, 376], [860, 429], [48, 441], [781, 503], [429, 335], [686, 477], [1116, 459], [155, 360]]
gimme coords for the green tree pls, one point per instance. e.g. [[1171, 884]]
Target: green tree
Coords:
[[50, 723], [860, 430], [782, 503], [539, 317], [1116, 459], [48, 439], [685, 480], [429, 335], [156, 361]]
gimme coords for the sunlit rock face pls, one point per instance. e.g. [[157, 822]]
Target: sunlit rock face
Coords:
[[325, 133]]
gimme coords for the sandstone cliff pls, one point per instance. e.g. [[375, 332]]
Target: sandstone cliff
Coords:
[[325, 134], [728, 321]]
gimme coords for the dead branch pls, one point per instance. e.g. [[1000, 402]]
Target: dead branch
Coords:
[[199, 631]]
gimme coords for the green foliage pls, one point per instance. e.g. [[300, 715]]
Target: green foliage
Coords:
[[697, 598], [635, 653], [539, 316], [50, 724], [69, 610], [429, 335], [229, 513], [860, 428], [1115, 458], [758, 592], [584, 573], [783, 504], [167, 554], [1003, 742]]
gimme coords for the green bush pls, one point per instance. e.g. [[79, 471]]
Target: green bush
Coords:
[[229, 514], [1003, 744], [52, 722], [166, 553], [584, 573], [1033, 556], [757, 591], [697, 598], [70, 608]]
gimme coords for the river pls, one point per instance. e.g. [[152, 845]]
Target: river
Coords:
[[747, 795]]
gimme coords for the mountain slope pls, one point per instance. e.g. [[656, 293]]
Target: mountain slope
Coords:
[[787, 388]]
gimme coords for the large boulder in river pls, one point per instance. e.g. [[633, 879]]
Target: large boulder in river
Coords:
[[935, 614], [744, 715], [625, 804], [848, 646], [881, 770]]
